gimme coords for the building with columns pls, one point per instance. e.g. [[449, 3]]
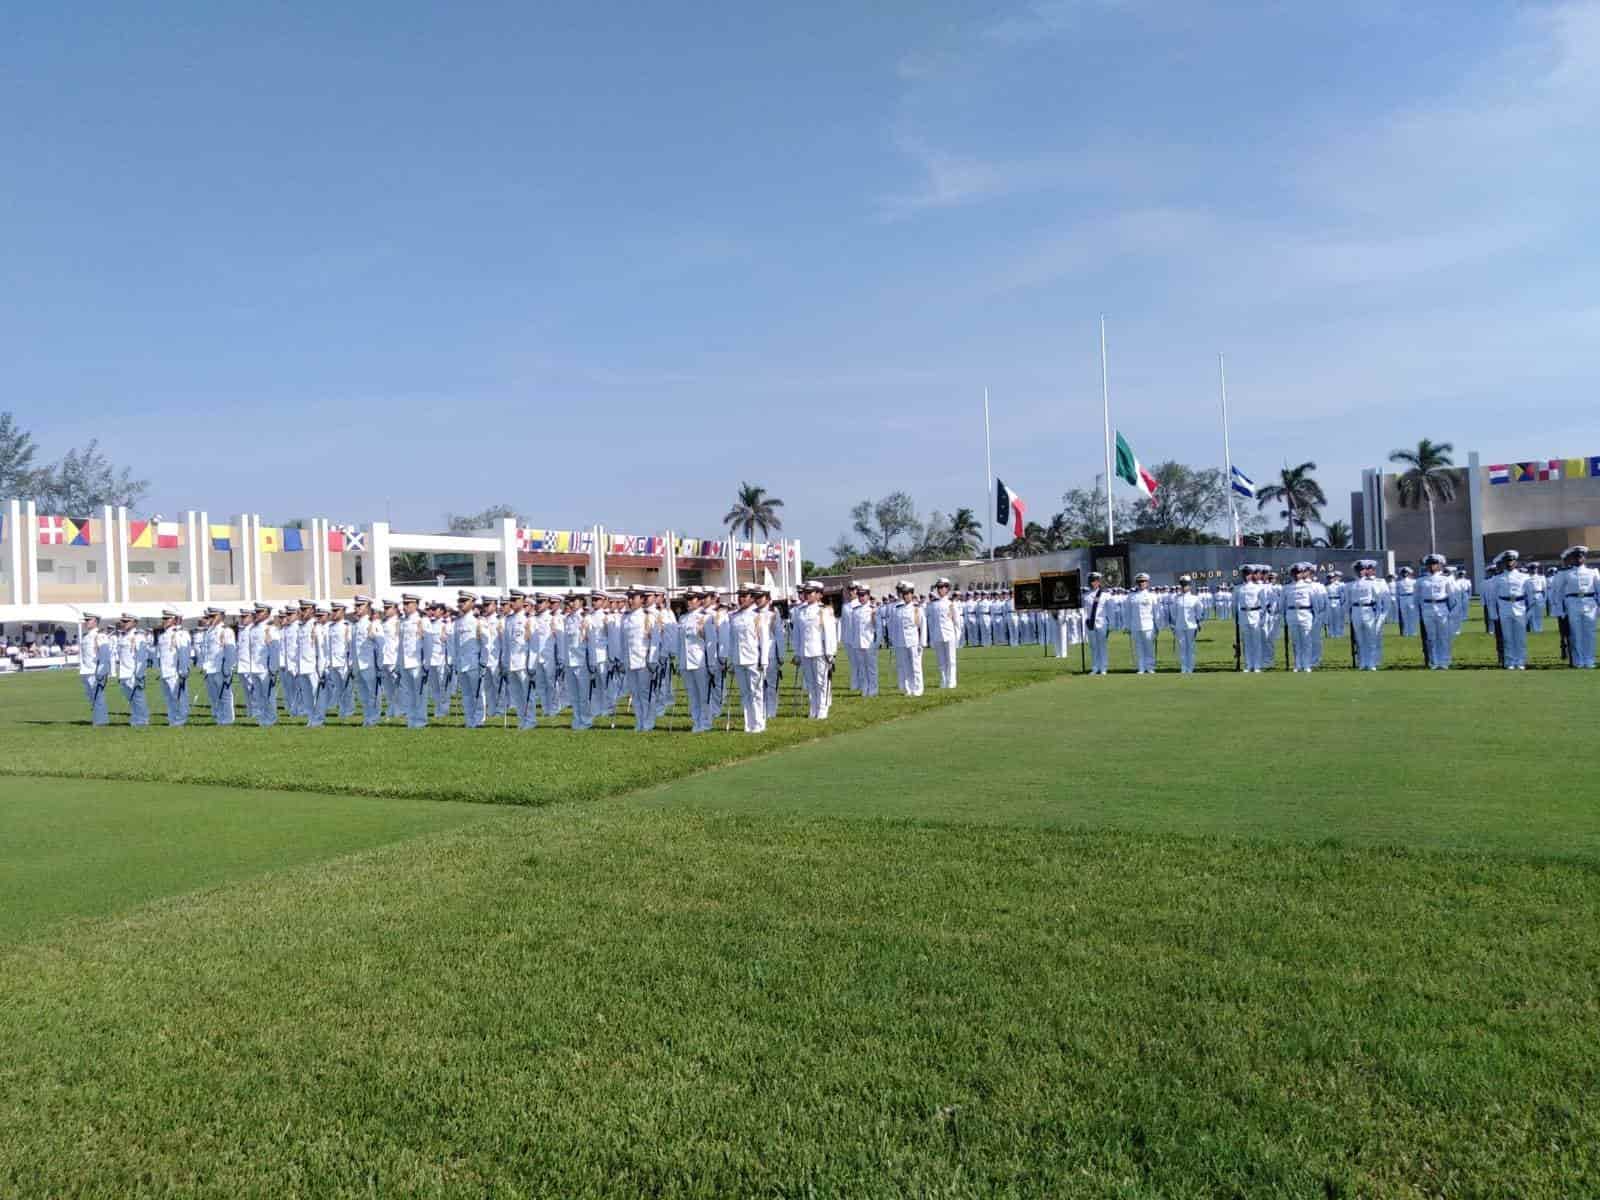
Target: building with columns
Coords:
[[54, 567]]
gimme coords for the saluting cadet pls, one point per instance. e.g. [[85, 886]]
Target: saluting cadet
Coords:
[[1097, 623], [637, 629], [863, 644], [944, 631], [95, 662], [464, 644], [303, 666], [1144, 619], [489, 655], [265, 648], [1437, 599], [692, 660], [597, 658], [1575, 601], [1305, 609], [816, 642], [1185, 613], [748, 650], [245, 664], [386, 645], [847, 634], [338, 697], [218, 657], [544, 661], [131, 656], [408, 662], [172, 664], [436, 657], [288, 656], [573, 638], [1405, 602], [1368, 598], [364, 661], [1508, 596], [909, 634]]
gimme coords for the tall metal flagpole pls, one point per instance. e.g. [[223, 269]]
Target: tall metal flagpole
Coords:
[[1227, 451], [988, 478], [1105, 398]]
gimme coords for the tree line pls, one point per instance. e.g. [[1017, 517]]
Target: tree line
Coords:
[[76, 484]]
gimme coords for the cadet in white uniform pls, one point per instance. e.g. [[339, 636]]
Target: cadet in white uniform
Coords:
[[637, 629], [338, 697], [1367, 597], [1575, 600], [908, 632], [129, 663], [1097, 623], [862, 642], [95, 661], [1185, 613], [1143, 608], [748, 649], [816, 642], [1337, 613], [464, 644], [1508, 596], [364, 661], [944, 631], [172, 664], [1405, 602], [777, 646], [1437, 599], [1305, 610]]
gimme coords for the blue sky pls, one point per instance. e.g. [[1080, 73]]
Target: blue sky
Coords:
[[603, 261]]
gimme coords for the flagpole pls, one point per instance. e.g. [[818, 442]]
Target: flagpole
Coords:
[[1105, 400], [988, 478], [1227, 450]]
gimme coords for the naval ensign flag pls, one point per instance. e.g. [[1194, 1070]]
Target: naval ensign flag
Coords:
[[1008, 507]]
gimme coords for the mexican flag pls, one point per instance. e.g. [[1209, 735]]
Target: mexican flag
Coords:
[[1008, 507], [1130, 470]]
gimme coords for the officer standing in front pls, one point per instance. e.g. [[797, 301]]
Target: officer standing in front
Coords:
[[944, 631]]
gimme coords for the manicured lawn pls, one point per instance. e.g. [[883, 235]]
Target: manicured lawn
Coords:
[[73, 848], [615, 999], [1335, 935]]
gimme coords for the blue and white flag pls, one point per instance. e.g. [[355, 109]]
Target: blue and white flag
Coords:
[[1243, 484]]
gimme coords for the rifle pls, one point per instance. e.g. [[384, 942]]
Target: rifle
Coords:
[[1353, 659], [1422, 628], [1566, 639]]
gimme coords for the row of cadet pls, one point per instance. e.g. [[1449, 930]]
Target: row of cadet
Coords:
[[1306, 610], [527, 654]]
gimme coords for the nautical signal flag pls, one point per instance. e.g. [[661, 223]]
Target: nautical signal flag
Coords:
[[335, 540], [142, 535], [166, 535], [270, 540], [292, 540], [222, 538], [1499, 473], [80, 536], [55, 531], [1130, 470], [1008, 507], [1243, 484]]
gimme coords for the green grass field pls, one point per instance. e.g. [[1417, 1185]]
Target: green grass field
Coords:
[[1335, 935]]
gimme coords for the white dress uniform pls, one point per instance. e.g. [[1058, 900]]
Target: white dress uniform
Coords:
[[637, 634], [1304, 611], [386, 639], [313, 659], [748, 650], [266, 649], [1144, 620], [1576, 599], [408, 670], [338, 696], [288, 655], [95, 654], [944, 631], [1368, 602], [514, 639], [218, 657], [489, 664], [1185, 613], [864, 640], [693, 662], [436, 664], [1537, 599], [364, 651], [172, 663], [1337, 612], [777, 645], [1437, 599], [908, 631], [574, 651], [1097, 612], [541, 666], [816, 642], [1508, 594], [847, 635], [1405, 603], [464, 643], [129, 663]]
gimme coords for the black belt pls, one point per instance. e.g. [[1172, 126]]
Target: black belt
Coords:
[[1249, 608], [1436, 602], [1364, 603], [1305, 607], [1583, 595]]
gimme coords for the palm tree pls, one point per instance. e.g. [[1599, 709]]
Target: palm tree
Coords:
[[1429, 479], [964, 531], [409, 567], [1057, 534], [1336, 536], [1302, 498], [752, 511]]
